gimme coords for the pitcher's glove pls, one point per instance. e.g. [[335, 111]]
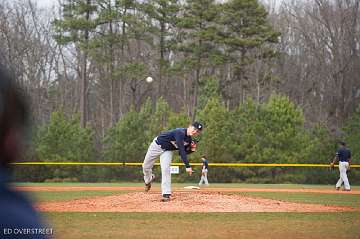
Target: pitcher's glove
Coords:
[[193, 145], [332, 166]]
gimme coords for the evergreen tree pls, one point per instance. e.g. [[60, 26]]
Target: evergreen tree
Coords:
[[196, 41], [126, 141], [162, 15], [159, 119], [209, 88], [103, 49], [324, 144], [352, 138], [215, 141], [242, 28], [63, 140], [76, 26], [284, 131], [271, 133], [178, 120], [323, 151], [352, 134], [135, 72]]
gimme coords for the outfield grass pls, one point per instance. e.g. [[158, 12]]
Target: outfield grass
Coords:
[[120, 184], [351, 200], [69, 195], [205, 225], [180, 185]]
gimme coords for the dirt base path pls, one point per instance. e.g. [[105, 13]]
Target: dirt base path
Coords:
[[191, 201]]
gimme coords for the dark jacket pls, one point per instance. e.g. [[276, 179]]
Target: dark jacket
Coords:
[[176, 139]]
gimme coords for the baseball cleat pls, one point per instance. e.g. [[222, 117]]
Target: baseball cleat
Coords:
[[166, 198], [148, 185]]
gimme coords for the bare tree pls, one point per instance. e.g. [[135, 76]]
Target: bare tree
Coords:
[[29, 51], [320, 45]]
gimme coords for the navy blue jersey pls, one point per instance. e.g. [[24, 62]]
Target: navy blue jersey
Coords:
[[17, 213], [176, 139], [343, 154], [205, 164]]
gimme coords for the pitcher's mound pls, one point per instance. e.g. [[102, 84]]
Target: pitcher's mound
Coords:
[[194, 201]]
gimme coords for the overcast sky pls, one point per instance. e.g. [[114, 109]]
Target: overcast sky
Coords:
[[46, 3], [49, 3]]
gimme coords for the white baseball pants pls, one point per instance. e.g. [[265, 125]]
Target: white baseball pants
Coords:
[[343, 167], [204, 177]]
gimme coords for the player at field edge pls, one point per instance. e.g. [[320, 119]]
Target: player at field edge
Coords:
[[18, 217], [343, 156], [163, 145]]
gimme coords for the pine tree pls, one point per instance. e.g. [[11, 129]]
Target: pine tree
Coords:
[[243, 28], [103, 50], [215, 140], [76, 26], [352, 133], [129, 138], [271, 133], [196, 41], [63, 140], [162, 16], [352, 139]]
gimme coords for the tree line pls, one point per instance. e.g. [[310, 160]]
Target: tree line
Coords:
[[270, 132], [86, 61]]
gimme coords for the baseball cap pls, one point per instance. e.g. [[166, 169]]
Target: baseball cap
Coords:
[[197, 125]]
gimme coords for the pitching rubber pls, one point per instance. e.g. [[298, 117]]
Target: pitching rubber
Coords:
[[191, 187]]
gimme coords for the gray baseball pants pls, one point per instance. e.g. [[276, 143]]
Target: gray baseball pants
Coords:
[[154, 151]]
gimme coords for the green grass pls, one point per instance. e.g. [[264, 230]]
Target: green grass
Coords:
[[205, 225], [179, 185], [351, 200], [68, 195], [120, 184]]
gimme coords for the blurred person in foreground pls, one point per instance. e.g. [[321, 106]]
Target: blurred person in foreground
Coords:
[[18, 218]]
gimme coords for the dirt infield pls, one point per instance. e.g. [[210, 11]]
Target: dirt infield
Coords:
[[204, 200]]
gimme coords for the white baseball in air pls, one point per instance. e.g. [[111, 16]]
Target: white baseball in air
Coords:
[[149, 79]]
